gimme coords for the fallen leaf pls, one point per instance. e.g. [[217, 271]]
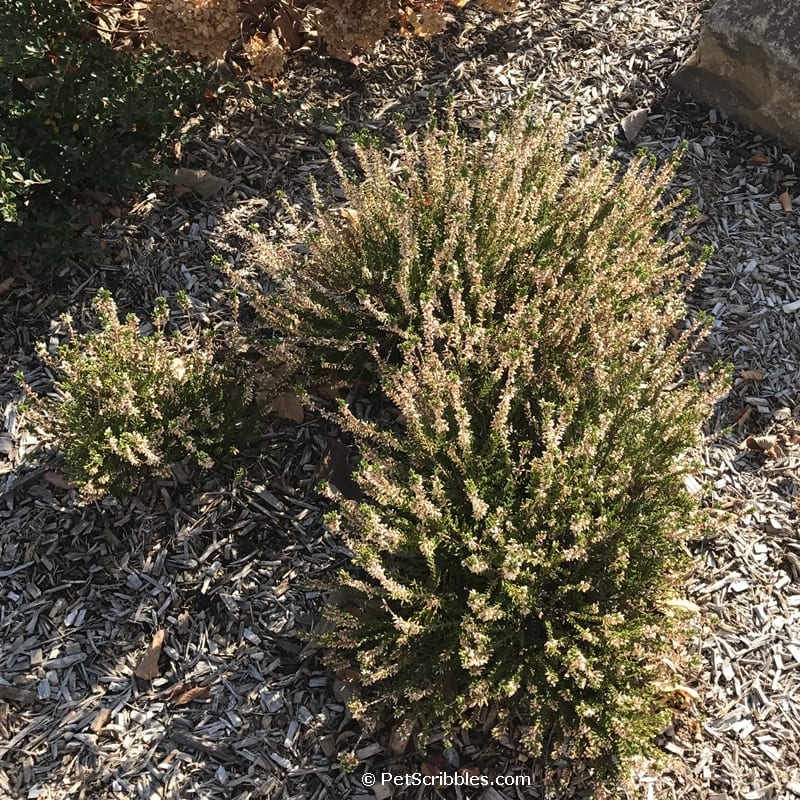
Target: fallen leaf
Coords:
[[174, 691], [742, 415], [633, 123], [768, 445], [275, 376], [288, 32], [761, 442], [498, 6], [198, 180], [194, 693], [786, 201], [147, 668], [107, 23], [288, 406], [336, 469], [54, 479], [753, 374], [349, 215], [758, 160]]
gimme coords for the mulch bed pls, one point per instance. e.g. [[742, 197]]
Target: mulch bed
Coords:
[[227, 564]]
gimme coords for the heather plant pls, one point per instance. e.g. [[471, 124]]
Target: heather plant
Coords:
[[525, 523], [512, 205], [129, 405]]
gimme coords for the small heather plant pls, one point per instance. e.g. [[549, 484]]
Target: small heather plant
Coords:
[[131, 405], [525, 523]]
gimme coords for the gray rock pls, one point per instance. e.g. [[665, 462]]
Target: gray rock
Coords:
[[747, 65]]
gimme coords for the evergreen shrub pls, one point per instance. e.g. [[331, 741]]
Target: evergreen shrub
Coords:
[[76, 115], [526, 522], [128, 405]]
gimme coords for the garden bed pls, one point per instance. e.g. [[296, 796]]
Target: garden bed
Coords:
[[227, 563]]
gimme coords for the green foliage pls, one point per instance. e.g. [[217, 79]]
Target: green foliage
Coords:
[[131, 405], [76, 115], [525, 524], [16, 180]]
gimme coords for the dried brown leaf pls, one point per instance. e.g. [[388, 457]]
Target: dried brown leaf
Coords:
[[699, 220], [786, 201], [686, 693], [633, 123], [288, 29], [768, 445], [54, 479], [147, 668], [335, 467], [498, 6], [287, 405], [198, 180], [328, 392], [753, 374], [742, 415], [195, 693]]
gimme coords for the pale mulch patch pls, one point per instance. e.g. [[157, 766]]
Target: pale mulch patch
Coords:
[[227, 569]]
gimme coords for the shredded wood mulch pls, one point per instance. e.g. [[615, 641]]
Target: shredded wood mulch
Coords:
[[156, 646]]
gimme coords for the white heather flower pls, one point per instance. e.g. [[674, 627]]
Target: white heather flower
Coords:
[[178, 367], [475, 564], [406, 626]]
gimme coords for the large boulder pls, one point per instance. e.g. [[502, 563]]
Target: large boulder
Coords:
[[747, 65]]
